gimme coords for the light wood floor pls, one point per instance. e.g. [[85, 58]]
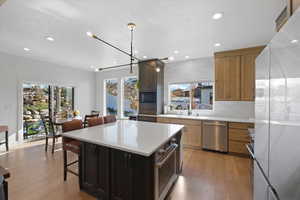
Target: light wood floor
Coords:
[[36, 175]]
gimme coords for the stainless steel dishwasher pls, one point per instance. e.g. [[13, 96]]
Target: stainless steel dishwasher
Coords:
[[215, 136]]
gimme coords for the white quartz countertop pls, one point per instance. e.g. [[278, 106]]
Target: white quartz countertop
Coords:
[[142, 138], [218, 118]]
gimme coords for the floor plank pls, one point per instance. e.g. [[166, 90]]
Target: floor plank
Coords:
[[206, 175]]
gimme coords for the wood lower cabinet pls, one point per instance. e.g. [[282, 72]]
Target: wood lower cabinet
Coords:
[[131, 175], [191, 134], [94, 173], [117, 175], [239, 137]]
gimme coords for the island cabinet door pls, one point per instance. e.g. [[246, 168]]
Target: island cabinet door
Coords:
[[132, 176], [94, 171]]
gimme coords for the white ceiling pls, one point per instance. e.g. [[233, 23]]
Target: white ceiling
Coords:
[[162, 27]]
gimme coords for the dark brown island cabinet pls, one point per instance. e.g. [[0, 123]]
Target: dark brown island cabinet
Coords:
[[111, 174]]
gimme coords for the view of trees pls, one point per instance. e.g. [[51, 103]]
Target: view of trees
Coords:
[[37, 101], [111, 87], [131, 97]]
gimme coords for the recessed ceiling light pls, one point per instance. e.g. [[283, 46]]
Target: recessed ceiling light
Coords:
[[136, 51], [89, 34], [51, 39], [294, 41], [187, 57], [176, 52], [97, 70], [217, 16], [26, 49], [171, 58], [157, 69], [145, 57], [217, 44]]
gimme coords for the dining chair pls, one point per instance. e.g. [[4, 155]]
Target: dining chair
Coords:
[[50, 132], [109, 119], [71, 145], [87, 117], [93, 112], [95, 121]]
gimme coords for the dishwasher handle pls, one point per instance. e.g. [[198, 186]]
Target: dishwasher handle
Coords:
[[215, 124]]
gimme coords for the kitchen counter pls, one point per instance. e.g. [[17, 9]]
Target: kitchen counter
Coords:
[[142, 138], [218, 118]]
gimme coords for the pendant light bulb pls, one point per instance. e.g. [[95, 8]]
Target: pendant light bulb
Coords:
[[131, 26]]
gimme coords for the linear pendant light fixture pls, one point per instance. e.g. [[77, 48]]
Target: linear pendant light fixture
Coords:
[[133, 59]]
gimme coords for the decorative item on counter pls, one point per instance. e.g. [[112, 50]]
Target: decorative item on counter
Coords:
[[77, 114]]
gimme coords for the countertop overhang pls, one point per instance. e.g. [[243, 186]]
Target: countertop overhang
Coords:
[[142, 138]]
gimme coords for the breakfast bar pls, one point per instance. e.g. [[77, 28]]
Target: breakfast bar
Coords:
[[129, 159]]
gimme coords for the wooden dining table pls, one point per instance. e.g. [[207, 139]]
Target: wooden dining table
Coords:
[[4, 129]]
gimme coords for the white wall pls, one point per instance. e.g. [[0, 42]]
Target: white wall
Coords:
[[185, 71], [16, 70]]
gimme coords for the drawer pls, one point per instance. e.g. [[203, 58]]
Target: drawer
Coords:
[[241, 125], [239, 135], [179, 121], [238, 147]]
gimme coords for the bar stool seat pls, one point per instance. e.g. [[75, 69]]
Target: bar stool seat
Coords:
[[109, 119], [71, 145], [96, 121]]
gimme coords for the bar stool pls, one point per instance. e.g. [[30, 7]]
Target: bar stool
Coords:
[[87, 117], [109, 119], [50, 132], [96, 121], [70, 145], [4, 129]]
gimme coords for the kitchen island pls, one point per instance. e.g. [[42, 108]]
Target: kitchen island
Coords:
[[129, 160]]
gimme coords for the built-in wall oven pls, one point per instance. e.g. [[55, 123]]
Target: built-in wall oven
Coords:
[[166, 169]]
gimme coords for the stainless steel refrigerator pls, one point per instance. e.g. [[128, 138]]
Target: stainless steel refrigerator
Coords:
[[277, 116]]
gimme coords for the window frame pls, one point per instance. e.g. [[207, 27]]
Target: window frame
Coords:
[[190, 102]]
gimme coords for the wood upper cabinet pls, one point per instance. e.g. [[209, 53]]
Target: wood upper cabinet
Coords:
[[228, 78], [235, 74], [248, 77]]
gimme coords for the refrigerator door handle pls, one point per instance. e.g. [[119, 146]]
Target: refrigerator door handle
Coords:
[[272, 189], [250, 150]]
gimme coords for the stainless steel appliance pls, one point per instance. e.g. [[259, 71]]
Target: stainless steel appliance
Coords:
[[277, 116], [166, 169], [215, 136]]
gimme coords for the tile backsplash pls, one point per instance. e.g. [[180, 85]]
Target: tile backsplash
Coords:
[[225, 109]]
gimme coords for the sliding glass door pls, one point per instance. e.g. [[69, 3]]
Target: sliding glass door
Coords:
[[42, 99]]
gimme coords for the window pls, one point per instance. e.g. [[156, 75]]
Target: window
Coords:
[[202, 96], [130, 98], [195, 96], [111, 96], [43, 99], [180, 96]]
